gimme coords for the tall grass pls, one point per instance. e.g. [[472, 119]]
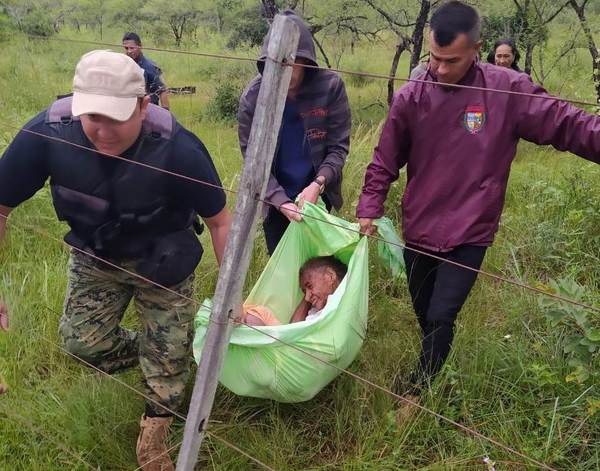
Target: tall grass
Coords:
[[505, 377]]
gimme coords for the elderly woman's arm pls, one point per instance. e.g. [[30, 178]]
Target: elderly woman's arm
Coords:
[[301, 312]]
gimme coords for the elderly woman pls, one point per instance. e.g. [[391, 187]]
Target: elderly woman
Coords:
[[319, 278], [505, 54]]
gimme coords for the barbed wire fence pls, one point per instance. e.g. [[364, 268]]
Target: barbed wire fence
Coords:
[[517, 283]]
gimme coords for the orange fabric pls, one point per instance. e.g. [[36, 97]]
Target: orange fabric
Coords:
[[260, 312]]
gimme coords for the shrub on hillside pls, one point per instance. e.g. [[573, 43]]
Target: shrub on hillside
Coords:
[[225, 71], [6, 28], [224, 105], [37, 23]]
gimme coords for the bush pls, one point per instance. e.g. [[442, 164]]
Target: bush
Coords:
[[225, 71], [6, 28], [496, 27], [224, 105], [37, 23], [579, 329]]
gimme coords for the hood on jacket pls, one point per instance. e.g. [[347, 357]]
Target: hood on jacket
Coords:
[[306, 45]]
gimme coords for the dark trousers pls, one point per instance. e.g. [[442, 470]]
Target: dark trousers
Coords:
[[274, 226], [438, 291]]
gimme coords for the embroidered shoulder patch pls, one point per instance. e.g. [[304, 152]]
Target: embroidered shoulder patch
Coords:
[[474, 119]]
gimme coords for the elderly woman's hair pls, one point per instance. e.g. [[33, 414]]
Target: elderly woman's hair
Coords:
[[491, 58], [318, 263]]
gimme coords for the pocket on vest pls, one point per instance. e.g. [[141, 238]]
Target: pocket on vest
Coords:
[[171, 258], [72, 205]]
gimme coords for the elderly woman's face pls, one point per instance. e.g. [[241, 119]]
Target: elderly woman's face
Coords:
[[504, 56], [317, 285]]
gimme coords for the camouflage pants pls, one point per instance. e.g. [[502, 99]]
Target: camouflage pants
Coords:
[[96, 300]]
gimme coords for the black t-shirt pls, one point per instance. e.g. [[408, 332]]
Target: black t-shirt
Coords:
[[30, 160]]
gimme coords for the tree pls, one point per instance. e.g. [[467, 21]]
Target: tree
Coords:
[[499, 26], [223, 9], [371, 20], [546, 63], [178, 15], [92, 13], [248, 27], [532, 19], [17, 10], [400, 22], [579, 9], [341, 20], [417, 36], [397, 22], [270, 9], [127, 13], [41, 18]]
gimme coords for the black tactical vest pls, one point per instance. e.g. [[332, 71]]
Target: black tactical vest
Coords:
[[116, 208]]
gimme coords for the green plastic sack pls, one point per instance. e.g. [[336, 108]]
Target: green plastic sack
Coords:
[[390, 254], [257, 365]]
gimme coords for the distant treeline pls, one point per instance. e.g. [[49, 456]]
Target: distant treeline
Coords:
[[343, 23]]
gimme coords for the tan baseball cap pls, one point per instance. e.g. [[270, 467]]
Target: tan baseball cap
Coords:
[[107, 83]]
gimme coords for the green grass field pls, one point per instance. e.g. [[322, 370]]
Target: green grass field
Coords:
[[508, 375]]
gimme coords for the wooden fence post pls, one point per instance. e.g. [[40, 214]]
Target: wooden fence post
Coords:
[[232, 275]]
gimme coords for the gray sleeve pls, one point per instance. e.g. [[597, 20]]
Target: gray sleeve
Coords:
[[339, 125]]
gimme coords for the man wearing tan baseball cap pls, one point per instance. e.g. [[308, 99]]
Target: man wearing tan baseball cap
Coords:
[[107, 83], [132, 216]]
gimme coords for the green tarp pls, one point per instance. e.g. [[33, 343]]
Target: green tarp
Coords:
[[259, 366]]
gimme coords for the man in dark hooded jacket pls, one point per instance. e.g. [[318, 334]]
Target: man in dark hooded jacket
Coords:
[[313, 140]]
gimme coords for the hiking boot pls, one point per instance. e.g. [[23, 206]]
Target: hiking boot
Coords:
[[151, 447]]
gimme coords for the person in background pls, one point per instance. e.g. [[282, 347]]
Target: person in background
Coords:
[[155, 87], [314, 138], [505, 54]]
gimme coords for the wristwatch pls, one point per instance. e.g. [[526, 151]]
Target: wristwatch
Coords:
[[320, 180]]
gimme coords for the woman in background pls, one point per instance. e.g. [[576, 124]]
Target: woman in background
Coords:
[[505, 54]]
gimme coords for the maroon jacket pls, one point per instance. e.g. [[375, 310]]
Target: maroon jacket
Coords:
[[459, 145]]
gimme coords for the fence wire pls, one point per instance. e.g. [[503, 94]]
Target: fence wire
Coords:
[[355, 376]]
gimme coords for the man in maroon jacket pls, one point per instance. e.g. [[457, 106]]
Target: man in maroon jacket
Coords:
[[458, 145]]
